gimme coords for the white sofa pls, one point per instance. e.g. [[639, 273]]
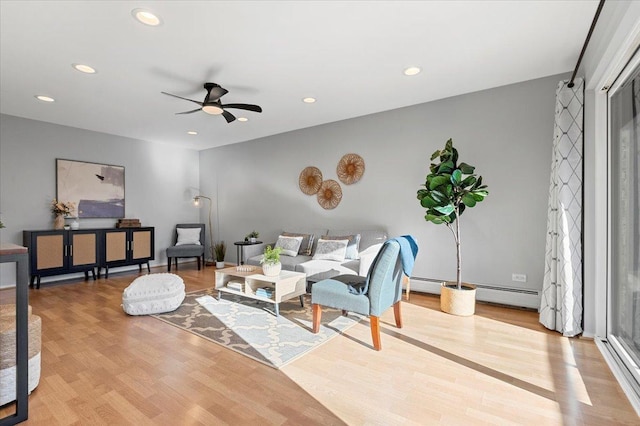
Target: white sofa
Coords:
[[316, 269]]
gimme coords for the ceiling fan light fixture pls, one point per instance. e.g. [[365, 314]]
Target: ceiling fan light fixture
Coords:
[[191, 132], [84, 68], [412, 71], [146, 17], [212, 109], [44, 98], [243, 119], [309, 100]]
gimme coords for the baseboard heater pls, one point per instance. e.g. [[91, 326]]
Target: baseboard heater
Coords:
[[512, 296]]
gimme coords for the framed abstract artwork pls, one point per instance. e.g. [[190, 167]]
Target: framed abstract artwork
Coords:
[[97, 190]]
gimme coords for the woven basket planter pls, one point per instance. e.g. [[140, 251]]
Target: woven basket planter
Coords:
[[458, 302]]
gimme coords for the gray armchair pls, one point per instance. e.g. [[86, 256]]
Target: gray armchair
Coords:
[[185, 245], [383, 289]]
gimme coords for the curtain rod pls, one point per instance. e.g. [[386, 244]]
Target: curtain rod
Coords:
[[586, 42]]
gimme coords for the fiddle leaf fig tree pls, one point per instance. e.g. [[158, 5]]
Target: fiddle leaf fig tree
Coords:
[[449, 189]]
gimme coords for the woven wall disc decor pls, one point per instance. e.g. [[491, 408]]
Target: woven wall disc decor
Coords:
[[329, 194], [350, 168], [310, 180]]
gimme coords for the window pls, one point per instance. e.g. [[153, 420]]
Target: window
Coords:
[[623, 325]]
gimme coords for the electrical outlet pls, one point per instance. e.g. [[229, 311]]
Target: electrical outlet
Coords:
[[521, 278]]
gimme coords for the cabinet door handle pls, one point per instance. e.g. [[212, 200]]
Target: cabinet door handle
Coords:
[[65, 250], [71, 251]]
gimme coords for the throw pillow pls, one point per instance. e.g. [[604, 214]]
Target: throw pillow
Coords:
[[307, 242], [331, 250], [289, 245], [188, 236], [352, 247]]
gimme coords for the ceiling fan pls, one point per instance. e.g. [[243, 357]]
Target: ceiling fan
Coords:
[[212, 105]]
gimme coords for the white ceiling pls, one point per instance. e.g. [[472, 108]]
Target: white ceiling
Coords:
[[349, 55]]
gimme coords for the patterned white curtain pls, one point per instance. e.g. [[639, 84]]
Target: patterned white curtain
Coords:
[[561, 302]]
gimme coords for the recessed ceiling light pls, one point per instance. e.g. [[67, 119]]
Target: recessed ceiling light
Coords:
[[191, 132], [44, 98], [84, 68], [146, 17], [308, 100], [243, 119], [412, 71]]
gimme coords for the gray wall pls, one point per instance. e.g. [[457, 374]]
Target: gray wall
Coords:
[[159, 179], [505, 132]]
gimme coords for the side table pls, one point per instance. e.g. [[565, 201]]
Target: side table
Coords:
[[240, 249]]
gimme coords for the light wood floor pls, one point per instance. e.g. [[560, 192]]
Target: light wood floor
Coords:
[[100, 366]]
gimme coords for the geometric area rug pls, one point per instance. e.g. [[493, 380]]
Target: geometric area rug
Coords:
[[249, 326]]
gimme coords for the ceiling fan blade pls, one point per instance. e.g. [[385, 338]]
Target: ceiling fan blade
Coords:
[[214, 92], [248, 107], [190, 112], [228, 116], [217, 93], [180, 97]]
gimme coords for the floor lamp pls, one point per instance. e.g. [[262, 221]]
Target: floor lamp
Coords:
[[196, 202]]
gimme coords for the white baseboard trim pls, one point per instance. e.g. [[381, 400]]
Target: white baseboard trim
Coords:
[[486, 293]]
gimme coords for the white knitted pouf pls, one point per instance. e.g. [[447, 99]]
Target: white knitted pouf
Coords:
[[8, 352], [153, 294]]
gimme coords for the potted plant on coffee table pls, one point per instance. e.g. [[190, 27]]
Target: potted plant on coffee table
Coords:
[[449, 189], [219, 250], [271, 265]]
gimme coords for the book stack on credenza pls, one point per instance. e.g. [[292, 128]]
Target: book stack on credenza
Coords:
[[128, 223]]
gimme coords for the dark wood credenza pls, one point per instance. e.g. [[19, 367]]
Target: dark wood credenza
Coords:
[[57, 252]]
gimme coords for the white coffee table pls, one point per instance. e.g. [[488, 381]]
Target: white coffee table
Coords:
[[246, 282]]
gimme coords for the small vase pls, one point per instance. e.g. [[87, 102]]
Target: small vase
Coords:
[[75, 224], [271, 270], [219, 264], [58, 222]]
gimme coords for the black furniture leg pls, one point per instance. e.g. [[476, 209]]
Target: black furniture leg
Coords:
[[38, 283], [148, 268], [169, 265], [198, 262], [93, 273], [86, 275]]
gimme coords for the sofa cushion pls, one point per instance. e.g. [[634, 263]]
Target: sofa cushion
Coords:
[[289, 245], [352, 245], [367, 238], [331, 250], [307, 242], [317, 270], [289, 263]]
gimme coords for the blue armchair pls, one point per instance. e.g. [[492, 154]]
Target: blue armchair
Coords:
[[382, 288]]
